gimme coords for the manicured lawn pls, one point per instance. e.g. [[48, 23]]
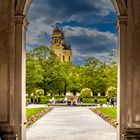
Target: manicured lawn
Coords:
[[110, 111], [33, 114], [33, 111], [109, 114]]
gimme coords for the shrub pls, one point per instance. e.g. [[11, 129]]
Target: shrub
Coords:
[[85, 93], [87, 100], [112, 92], [99, 101], [39, 92], [46, 99], [98, 97]]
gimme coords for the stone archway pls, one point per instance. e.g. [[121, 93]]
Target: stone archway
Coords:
[[12, 68]]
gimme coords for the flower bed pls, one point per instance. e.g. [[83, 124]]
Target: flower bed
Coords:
[[109, 118], [33, 118]]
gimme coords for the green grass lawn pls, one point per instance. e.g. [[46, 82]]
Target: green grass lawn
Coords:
[[110, 111], [33, 111]]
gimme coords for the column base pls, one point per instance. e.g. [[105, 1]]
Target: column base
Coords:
[[8, 136], [131, 134]]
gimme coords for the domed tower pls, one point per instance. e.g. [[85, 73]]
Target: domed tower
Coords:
[[60, 46]]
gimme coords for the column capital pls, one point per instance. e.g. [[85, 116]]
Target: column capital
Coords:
[[121, 20], [21, 20]]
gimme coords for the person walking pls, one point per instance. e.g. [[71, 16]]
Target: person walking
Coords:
[[95, 101], [107, 101], [112, 101]]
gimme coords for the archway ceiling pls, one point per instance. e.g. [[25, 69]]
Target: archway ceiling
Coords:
[[120, 6], [22, 6]]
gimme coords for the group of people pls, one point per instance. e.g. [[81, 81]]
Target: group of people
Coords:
[[73, 101], [80, 100], [34, 100], [52, 100], [63, 100], [70, 101], [111, 101]]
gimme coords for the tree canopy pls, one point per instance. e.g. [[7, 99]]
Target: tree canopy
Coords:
[[45, 71]]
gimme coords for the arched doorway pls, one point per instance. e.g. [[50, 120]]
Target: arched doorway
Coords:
[[12, 67]]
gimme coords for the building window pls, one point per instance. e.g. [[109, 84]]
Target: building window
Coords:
[[63, 58], [69, 58]]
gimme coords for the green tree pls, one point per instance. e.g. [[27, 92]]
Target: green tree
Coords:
[[51, 67], [46, 71], [111, 75], [85, 93], [66, 72], [74, 80], [112, 92], [93, 62], [95, 78], [33, 73]]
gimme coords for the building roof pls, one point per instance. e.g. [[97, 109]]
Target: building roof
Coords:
[[67, 45]]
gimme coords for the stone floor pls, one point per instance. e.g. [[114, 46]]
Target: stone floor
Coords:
[[71, 123]]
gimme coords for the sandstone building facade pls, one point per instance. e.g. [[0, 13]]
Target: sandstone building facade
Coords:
[[60, 46]]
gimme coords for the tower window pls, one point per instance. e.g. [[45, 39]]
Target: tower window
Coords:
[[69, 58], [63, 58], [60, 56]]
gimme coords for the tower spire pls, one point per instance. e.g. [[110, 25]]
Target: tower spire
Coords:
[[57, 25]]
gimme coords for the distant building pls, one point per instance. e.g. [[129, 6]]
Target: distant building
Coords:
[[60, 46]]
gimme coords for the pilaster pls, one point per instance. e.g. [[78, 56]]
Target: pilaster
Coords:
[[130, 127], [122, 73], [20, 75]]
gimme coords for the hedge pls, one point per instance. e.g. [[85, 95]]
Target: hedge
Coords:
[[46, 99], [99, 101]]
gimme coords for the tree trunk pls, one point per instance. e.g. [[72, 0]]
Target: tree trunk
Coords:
[[65, 89], [74, 93], [45, 91]]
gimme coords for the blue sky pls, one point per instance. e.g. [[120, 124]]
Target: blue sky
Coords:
[[89, 25]]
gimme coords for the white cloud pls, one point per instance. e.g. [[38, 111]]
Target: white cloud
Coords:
[[86, 42], [36, 30], [78, 31], [63, 10], [105, 5]]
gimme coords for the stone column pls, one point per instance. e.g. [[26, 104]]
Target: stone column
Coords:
[[130, 119], [7, 69], [20, 75], [122, 73]]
